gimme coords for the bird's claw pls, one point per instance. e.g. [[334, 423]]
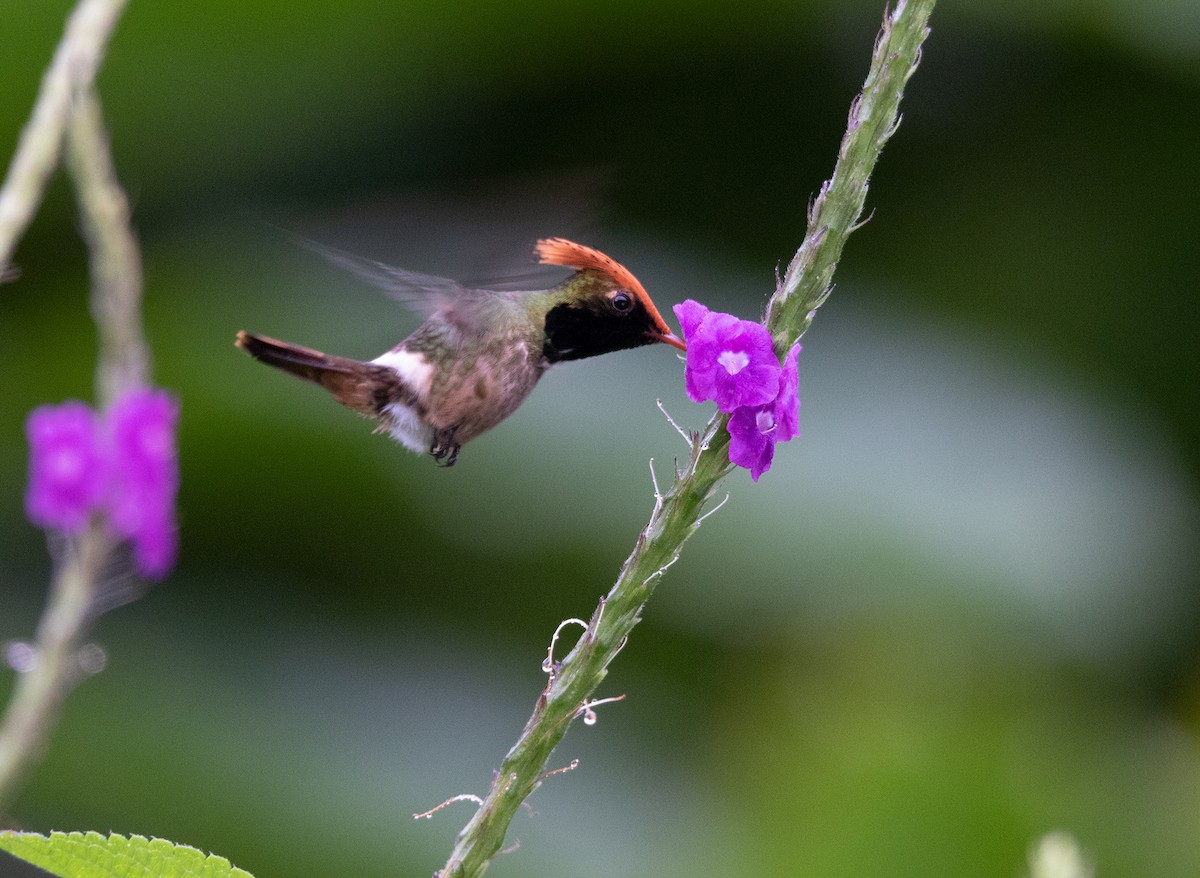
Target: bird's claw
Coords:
[[444, 449]]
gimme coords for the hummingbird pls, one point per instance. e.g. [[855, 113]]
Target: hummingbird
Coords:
[[479, 353]]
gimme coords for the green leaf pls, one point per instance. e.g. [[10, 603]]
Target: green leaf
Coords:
[[92, 855]]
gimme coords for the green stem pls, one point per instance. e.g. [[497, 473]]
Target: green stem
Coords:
[[678, 513], [39, 692], [68, 107], [116, 263], [835, 213], [71, 73]]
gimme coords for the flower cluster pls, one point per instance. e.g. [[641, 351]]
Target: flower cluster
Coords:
[[733, 363], [123, 463]]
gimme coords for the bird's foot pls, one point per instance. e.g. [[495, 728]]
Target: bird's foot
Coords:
[[444, 449]]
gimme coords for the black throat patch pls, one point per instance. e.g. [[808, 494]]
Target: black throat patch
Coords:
[[574, 332]]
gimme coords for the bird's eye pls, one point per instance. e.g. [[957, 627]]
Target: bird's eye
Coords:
[[622, 302]]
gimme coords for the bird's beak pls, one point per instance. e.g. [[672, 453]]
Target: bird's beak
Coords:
[[672, 339]]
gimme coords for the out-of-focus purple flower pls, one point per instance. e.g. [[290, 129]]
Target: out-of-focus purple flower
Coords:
[[67, 471], [124, 464], [755, 430], [145, 477], [729, 361], [156, 546]]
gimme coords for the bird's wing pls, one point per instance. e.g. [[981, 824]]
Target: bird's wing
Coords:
[[424, 293]]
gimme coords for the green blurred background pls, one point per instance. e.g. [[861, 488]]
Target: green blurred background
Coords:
[[962, 609]]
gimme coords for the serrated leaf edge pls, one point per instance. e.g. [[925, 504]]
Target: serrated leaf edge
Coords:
[[115, 847]]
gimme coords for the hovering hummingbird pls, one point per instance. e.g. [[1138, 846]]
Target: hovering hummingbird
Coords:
[[479, 353]]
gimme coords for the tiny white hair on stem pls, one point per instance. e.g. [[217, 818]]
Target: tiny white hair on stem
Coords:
[[661, 570], [461, 797], [548, 664], [714, 510], [658, 497], [870, 216], [670, 420], [587, 709], [563, 770]]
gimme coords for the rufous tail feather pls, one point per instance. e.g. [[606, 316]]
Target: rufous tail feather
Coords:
[[364, 387]]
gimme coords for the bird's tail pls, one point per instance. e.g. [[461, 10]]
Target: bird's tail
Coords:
[[364, 387]]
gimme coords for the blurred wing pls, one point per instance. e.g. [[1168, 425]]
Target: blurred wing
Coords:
[[424, 293]]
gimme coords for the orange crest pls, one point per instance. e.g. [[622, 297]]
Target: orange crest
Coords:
[[560, 251]]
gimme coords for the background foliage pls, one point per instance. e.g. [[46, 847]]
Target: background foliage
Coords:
[[960, 611]]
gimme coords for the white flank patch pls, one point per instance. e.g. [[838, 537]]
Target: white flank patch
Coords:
[[406, 428], [413, 368], [402, 422]]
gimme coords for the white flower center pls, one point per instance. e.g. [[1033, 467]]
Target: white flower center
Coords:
[[764, 422], [734, 361]]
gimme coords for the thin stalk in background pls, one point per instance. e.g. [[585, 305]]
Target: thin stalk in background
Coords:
[[116, 263], [71, 73], [54, 667], [68, 109], [678, 513]]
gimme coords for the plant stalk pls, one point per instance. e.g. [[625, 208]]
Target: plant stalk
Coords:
[[833, 215], [68, 108], [71, 73]]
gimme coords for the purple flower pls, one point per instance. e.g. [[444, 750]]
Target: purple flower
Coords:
[[787, 404], [145, 477], [690, 314], [67, 472], [754, 430], [732, 362], [751, 443], [124, 465], [729, 361]]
